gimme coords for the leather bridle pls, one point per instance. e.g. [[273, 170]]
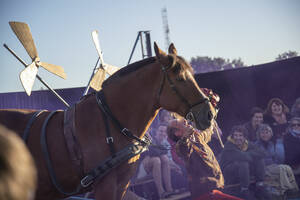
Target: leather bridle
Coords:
[[189, 115]]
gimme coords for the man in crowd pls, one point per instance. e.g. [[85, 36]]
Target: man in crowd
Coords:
[[291, 143], [241, 159]]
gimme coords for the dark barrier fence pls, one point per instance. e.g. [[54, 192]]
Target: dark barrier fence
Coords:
[[243, 88]]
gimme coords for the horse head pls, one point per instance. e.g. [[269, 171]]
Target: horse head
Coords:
[[179, 91]]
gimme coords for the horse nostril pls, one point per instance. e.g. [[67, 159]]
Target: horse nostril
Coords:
[[209, 115]]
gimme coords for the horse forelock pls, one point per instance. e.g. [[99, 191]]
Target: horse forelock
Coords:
[[185, 64]]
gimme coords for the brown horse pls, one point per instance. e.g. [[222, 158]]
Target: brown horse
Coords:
[[133, 95]]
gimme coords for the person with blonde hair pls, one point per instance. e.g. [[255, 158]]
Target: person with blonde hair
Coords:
[[18, 176], [204, 174], [157, 163]]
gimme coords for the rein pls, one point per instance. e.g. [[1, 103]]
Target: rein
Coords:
[[29, 124], [106, 110]]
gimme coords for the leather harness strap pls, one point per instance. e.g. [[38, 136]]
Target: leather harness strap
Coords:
[[111, 162], [71, 141], [48, 161], [103, 168], [100, 98], [109, 138], [29, 124]]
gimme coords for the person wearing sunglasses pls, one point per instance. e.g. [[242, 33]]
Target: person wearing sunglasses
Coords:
[[291, 143]]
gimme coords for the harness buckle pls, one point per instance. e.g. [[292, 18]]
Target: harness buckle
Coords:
[[190, 117], [109, 140], [125, 131], [87, 181]]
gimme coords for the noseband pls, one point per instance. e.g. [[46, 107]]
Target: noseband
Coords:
[[189, 115]]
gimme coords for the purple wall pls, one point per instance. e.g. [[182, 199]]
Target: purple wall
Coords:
[[240, 90], [40, 99]]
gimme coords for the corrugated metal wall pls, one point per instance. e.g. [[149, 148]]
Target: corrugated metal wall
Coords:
[[40, 99]]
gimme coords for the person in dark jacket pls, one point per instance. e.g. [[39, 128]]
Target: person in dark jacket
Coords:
[[204, 174], [291, 144], [241, 159]]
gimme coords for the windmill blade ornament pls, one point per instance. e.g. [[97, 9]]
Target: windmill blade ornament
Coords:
[[28, 75], [99, 75]]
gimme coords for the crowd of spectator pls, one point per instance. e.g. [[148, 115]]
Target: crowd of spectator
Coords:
[[260, 160]]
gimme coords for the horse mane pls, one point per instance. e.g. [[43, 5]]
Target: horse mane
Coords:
[[137, 65], [128, 69]]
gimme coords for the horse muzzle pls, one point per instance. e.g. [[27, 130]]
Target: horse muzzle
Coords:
[[202, 115]]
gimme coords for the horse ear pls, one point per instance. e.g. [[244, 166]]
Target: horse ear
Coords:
[[172, 49], [161, 55]]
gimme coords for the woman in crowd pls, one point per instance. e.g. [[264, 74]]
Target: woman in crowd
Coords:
[[279, 177], [256, 118], [277, 116]]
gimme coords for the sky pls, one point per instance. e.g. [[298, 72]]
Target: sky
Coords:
[[256, 31]]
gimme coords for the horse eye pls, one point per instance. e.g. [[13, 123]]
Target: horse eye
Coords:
[[176, 69]]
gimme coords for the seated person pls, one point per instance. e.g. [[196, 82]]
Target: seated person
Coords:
[[156, 162], [204, 174], [257, 117], [241, 159], [291, 143], [277, 116], [295, 110], [279, 177]]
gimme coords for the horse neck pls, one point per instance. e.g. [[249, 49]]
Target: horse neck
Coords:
[[133, 97]]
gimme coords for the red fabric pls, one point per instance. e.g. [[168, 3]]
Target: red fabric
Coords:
[[214, 97], [216, 195], [175, 157]]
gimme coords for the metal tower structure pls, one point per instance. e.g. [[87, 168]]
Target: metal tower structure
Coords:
[[148, 49], [166, 27]]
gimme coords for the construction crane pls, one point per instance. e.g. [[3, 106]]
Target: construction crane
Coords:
[[166, 27]]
